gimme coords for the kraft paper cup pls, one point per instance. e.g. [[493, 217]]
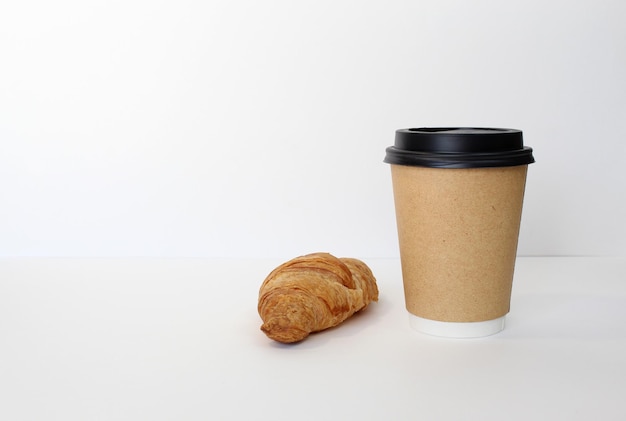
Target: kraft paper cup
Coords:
[[458, 196]]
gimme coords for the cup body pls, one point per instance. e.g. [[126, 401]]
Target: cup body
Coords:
[[458, 232]]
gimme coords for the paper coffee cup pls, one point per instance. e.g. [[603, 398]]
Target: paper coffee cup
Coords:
[[458, 196]]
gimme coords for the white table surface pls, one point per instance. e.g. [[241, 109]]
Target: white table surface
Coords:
[[179, 339]]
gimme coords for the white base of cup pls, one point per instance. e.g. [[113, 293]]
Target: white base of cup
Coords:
[[456, 329]]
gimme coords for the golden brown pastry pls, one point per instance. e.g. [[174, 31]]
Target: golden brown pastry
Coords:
[[311, 293]]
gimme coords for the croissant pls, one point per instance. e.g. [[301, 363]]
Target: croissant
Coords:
[[312, 293]]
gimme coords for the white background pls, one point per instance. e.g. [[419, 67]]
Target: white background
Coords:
[[258, 128]]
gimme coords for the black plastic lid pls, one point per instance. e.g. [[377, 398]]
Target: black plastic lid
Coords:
[[459, 147]]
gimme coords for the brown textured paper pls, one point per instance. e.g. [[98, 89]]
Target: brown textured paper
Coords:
[[458, 231]]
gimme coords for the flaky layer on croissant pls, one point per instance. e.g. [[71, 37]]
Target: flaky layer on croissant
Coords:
[[312, 293]]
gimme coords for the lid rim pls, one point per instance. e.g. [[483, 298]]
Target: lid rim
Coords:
[[522, 156]]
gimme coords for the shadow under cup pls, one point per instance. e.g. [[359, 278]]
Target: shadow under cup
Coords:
[[458, 196]]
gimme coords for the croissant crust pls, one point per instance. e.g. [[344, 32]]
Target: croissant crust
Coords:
[[312, 293]]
